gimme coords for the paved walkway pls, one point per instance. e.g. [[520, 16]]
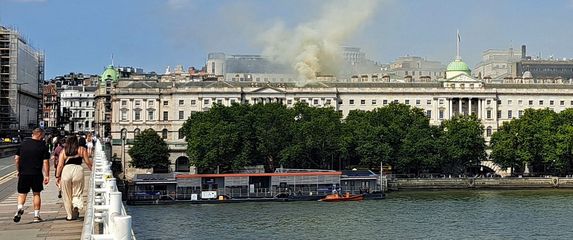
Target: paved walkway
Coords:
[[54, 225]]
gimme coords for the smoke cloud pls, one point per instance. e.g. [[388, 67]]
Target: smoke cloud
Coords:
[[314, 47]]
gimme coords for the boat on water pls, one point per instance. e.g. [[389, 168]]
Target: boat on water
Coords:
[[339, 198]]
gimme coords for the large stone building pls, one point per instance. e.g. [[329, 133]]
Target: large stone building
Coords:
[[258, 68], [163, 103], [21, 83], [499, 64], [545, 69], [78, 103], [415, 68], [58, 116], [504, 64]]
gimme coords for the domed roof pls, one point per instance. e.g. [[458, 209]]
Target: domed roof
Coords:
[[458, 65], [527, 74], [456, 68], [109, 73]]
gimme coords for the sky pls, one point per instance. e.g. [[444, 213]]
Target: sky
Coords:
[[81, 36]]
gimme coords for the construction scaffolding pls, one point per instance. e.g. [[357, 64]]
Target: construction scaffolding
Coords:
[[21, 83]]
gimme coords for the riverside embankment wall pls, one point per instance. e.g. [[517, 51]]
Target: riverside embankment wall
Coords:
[[491, 183]]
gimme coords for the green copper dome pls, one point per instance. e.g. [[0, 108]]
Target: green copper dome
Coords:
[[109, 73], [456, 68], [458, 65]]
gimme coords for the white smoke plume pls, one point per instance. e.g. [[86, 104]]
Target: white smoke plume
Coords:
[[315, 46]]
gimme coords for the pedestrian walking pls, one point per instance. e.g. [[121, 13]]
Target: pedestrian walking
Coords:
[[31, 158], [90, 144], [70, 176], [56, 157]]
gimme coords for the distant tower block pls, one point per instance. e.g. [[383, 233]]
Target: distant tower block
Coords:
[[216, 64]]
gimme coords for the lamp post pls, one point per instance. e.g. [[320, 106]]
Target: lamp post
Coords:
[[123, 137]]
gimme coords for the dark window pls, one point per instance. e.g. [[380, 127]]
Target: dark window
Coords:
[[164, 133], [165, 116], [181, 134]]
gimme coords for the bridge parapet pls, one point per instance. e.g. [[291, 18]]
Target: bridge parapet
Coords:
[[105, 216]]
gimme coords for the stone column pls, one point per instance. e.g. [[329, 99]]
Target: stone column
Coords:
[[450, 107], [460, 106], [470, 106], [479, 108]]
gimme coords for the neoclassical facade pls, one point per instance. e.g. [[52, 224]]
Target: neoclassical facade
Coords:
[[164, 103]]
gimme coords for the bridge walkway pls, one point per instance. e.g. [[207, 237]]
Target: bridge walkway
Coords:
[[52, 212]]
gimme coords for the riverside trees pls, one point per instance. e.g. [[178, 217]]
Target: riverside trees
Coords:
[[149, 151], [230, 138], [541, 140]]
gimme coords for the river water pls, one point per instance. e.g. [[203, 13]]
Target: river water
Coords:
[[463, 214]]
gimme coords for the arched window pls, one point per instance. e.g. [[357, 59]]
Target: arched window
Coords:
[[164, 133], [488, 131], [181, 133], [123, 134], [182, 164], [136, 132]]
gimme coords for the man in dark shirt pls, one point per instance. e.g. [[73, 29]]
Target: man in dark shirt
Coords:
[[31, 158]]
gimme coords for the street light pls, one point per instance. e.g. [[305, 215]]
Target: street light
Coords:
[[123, 137]]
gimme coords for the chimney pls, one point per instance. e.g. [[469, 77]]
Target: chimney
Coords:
[[523, 52]]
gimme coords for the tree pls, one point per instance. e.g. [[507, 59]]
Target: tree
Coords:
[[463, 143], [504, 148], [272, 125], [149, 151], [316, 138], [535, 132], [362, 144], [220, 139]]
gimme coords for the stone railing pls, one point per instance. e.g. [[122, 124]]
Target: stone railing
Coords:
[[105, 216]]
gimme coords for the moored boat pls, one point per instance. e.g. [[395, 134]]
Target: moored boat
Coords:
[[338, 198]]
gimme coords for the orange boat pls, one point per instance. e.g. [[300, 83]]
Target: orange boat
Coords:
[[338, 198]]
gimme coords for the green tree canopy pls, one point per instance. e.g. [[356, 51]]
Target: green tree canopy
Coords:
[[541, 139], [149, 151], [463, 143], [316, 138]]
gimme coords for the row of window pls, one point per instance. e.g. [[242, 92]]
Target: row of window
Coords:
[[151, 103], [164, 133], [151, 115], [86, 124], [531, 102], [78, 104], [385, 102], [83, 114]]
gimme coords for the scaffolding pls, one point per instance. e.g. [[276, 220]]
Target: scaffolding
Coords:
[[12, 94]]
